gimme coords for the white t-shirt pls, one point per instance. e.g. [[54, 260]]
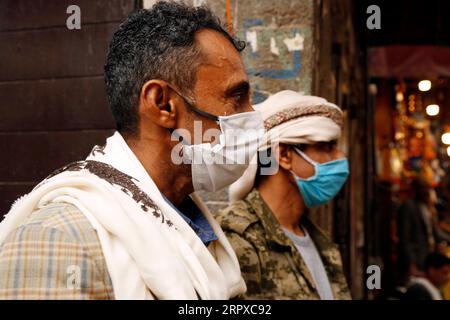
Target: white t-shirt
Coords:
[[313, 262]]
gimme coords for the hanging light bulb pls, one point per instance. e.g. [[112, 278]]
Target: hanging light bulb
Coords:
[[432, 110], [448, 151], [424, 85], [446, 138]]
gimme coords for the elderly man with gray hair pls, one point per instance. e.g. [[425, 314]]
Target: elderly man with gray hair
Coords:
[[125, 222]]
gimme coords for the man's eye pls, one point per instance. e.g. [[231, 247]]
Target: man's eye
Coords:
[[239, 100]]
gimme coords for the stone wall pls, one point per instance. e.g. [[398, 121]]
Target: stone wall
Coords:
[[279, 37]]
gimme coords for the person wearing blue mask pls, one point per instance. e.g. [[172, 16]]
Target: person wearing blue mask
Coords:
[[282, 253]]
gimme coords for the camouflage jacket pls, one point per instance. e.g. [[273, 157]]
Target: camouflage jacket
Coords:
[[270, 263]]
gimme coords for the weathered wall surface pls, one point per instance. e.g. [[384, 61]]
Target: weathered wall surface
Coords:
[[339, 76], [279, 37]]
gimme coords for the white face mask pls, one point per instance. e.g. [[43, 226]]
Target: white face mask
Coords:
[[217, 166]]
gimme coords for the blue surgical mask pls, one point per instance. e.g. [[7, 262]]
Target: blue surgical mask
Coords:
[[328, 179]]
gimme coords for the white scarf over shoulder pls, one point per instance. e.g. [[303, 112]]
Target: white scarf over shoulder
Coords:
[[150, 252]]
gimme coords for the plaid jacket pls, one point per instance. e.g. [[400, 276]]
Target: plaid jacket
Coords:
[[55, 254]]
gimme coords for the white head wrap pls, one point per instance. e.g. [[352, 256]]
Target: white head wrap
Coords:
[[291, 118]]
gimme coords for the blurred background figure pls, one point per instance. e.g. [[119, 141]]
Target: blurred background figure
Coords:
[[415, 228], [421, 230], [435, 277]]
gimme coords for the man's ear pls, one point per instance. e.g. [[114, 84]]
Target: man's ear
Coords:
[[157, 105], [284, 153]]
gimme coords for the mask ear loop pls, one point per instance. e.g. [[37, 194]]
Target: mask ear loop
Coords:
[[196, 110], [201, 112], [304, 156], [309, 160]]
